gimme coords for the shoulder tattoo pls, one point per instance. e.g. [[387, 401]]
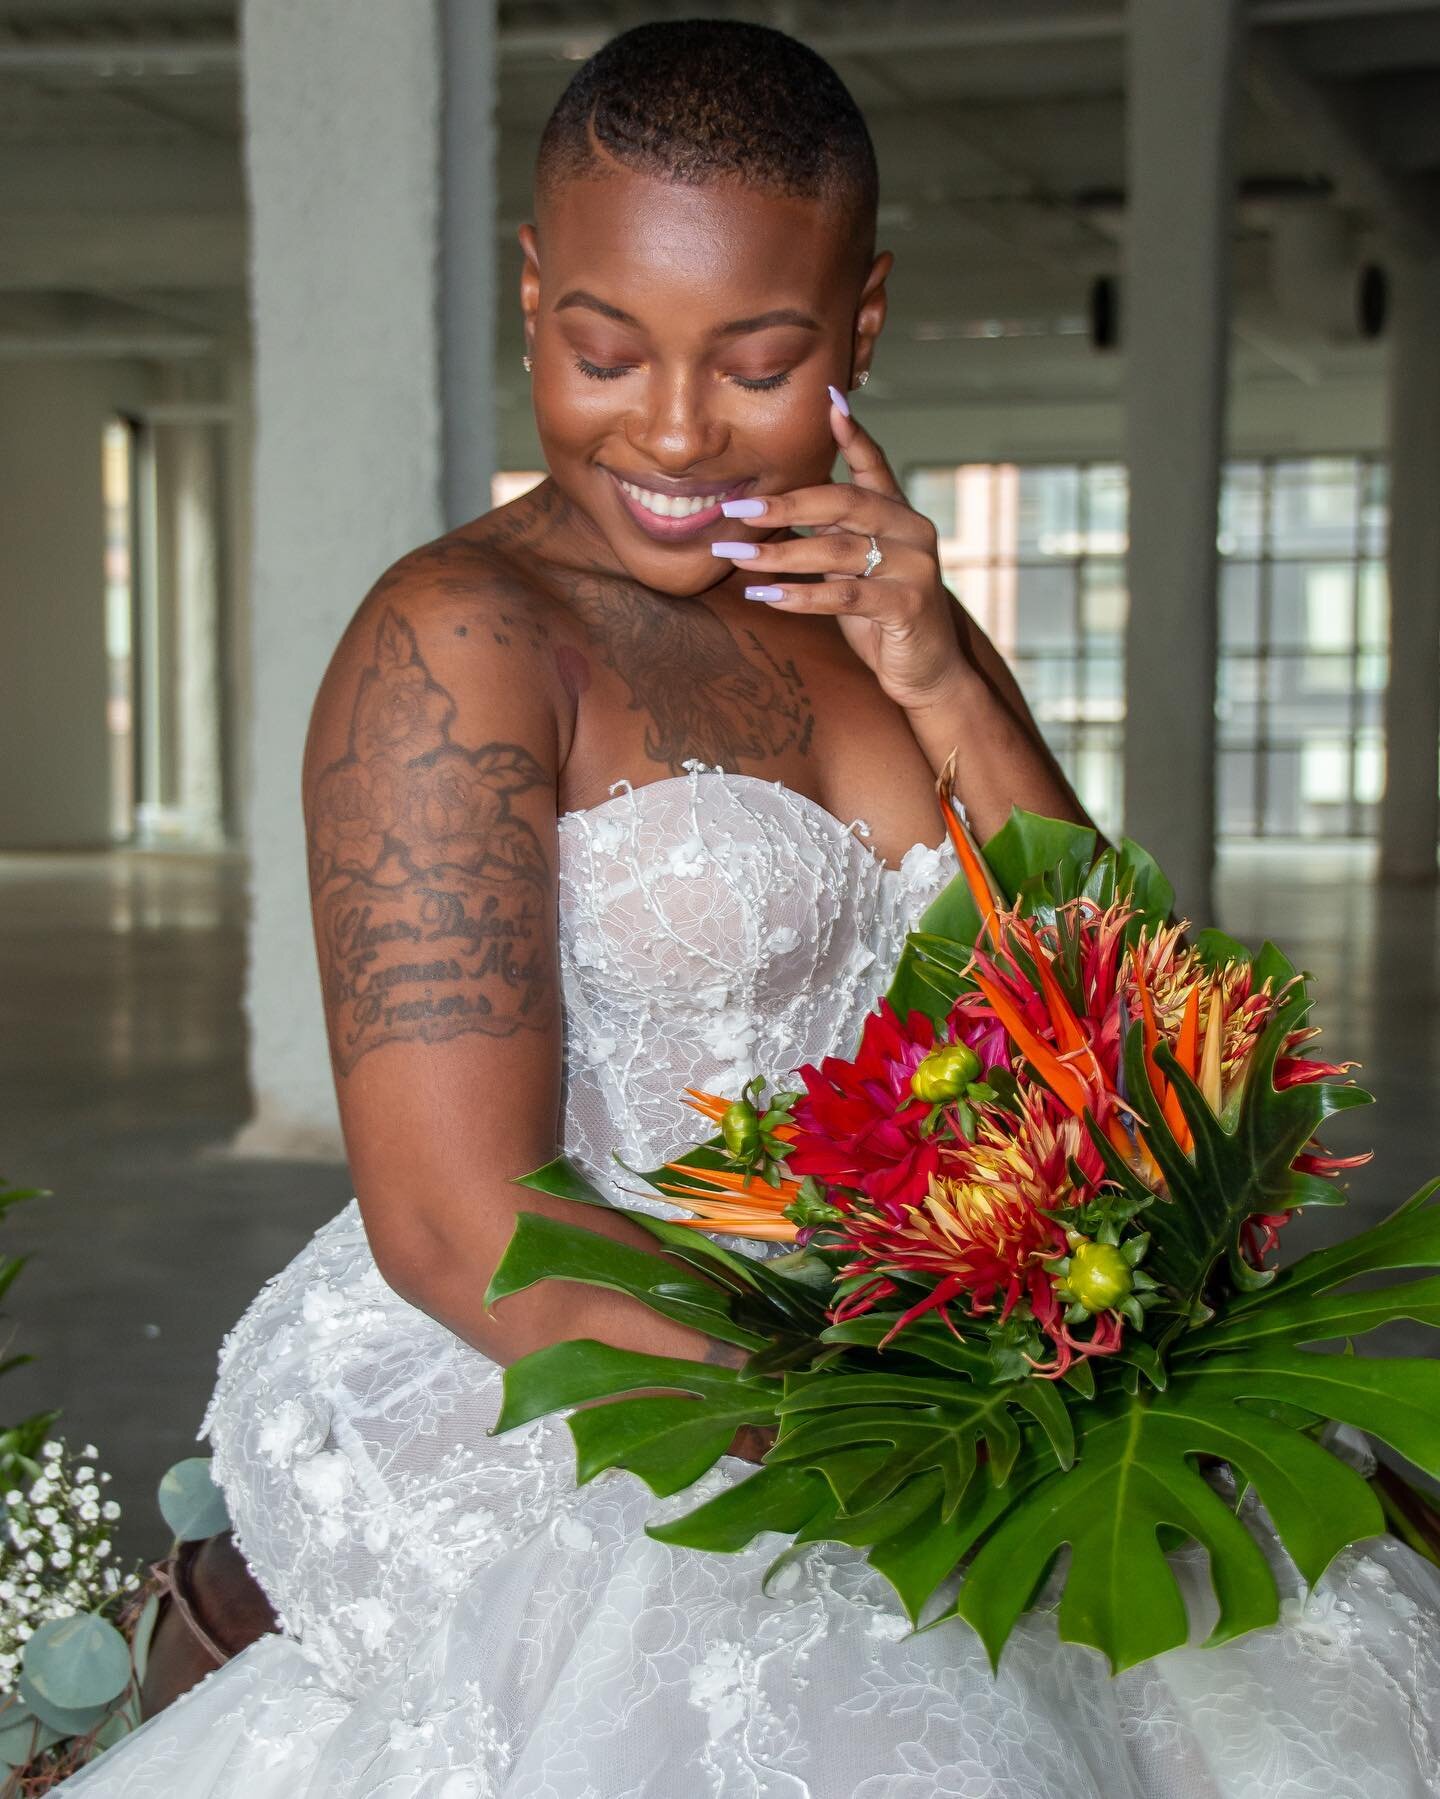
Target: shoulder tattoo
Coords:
[[430, 895]]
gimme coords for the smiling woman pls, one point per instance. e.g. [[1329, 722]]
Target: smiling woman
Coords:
[[577, 787]]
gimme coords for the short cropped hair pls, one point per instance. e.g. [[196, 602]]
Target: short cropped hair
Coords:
[[709, 100]]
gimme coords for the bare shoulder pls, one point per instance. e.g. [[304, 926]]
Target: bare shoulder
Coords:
[[461, 616], [429, 793]]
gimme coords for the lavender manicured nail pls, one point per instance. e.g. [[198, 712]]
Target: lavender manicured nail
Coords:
[[737, 552], [839, 399], [764, 593], [743, 508]]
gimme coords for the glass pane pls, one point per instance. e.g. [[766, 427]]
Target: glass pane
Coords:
[[1242, 509], [1369, 769], [1104, 688], [1048, 683], [1103, 603], [1375, 508], [1049, 512], [1236, 799], [1372, 623], [1107, 506], [1095, 772], [1314, 505], [1280, 770], [1239, 682], [510, 484], [933, 492], [1045, 607], [1240, 605], [1325, 779]]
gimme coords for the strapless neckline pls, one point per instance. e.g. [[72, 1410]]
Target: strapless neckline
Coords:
[[855, 832]]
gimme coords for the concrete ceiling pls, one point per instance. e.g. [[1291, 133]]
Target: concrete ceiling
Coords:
[[999, 124]]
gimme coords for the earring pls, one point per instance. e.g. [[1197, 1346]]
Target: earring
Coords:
[[528, 362], [862, 377]]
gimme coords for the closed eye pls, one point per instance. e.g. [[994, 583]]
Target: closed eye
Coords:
[[612, 372]]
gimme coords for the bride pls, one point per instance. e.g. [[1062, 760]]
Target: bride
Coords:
[[577, 787]]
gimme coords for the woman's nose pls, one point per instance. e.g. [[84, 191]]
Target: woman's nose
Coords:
[[676, 428]]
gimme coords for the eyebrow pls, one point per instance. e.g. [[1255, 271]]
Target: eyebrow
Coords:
[[781, 315]]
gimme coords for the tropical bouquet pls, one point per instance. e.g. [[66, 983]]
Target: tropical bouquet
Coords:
[[1033, 1300]]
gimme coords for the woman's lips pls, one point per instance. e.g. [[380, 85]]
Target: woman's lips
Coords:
[[676, 530]]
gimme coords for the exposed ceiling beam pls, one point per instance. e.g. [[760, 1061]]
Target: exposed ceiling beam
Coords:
[[136, 250], [1009, 23], [1334, 124]]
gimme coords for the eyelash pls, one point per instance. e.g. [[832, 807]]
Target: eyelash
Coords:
[[597, 373]]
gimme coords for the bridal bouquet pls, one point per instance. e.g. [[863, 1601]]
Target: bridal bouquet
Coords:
[[1031, 1302]]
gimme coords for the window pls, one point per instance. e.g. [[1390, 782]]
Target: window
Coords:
[[1037, 555]]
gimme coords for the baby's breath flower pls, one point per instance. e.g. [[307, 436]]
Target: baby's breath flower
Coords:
[[54, 1553]]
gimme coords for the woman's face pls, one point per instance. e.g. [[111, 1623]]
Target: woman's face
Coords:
[[683, 338]]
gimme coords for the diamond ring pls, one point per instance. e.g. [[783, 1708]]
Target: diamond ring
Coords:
[[874, 557]]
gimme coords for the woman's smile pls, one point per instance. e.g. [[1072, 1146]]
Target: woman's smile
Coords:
[[676, 510]]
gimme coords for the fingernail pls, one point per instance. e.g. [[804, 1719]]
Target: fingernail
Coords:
[[839, 400], [743, 508], [737, 552], [764, 593]]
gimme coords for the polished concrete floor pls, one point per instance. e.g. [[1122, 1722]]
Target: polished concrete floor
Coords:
[[122, 1080]]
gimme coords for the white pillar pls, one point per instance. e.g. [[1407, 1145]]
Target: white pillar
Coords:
[[343, 149], [1180, 91], [1410, 813], [467, 313]]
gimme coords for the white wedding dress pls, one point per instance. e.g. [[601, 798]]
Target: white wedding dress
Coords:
[[462, 1623]]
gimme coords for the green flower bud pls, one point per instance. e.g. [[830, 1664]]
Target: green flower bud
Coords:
[[945, 1074], [1099, 1276], [740, 1127]]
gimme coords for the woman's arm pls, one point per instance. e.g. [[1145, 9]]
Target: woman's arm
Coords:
[[430, 805], [981, 704]]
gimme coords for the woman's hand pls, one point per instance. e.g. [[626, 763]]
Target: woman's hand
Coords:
[[928, 655], [900, 620]]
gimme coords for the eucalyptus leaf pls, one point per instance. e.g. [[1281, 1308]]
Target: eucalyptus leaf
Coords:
[[65, 1721], [77, 1662], [190, 1502], [23, 1734]]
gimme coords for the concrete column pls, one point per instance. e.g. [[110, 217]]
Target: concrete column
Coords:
[[343, 151], [1410, 813], [1182, 57], [467, 305]]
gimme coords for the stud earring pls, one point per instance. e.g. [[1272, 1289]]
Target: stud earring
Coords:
[[862, 377], [528, 362]]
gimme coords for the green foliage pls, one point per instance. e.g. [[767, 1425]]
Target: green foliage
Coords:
[[190, 1502], [75, 1665]]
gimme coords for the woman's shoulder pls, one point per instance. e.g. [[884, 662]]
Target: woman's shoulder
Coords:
[[459, 620]]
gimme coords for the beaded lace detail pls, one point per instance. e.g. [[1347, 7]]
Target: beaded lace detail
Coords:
[[463, 1622]]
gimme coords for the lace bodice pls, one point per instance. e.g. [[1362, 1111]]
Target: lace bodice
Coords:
[[714, 927]]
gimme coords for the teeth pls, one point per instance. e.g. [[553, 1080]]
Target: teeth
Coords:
[[665, 505]]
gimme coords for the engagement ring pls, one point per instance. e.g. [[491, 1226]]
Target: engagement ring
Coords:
[[873, 559]]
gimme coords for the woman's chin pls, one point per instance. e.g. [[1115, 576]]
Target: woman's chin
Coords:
[[678, 574]]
